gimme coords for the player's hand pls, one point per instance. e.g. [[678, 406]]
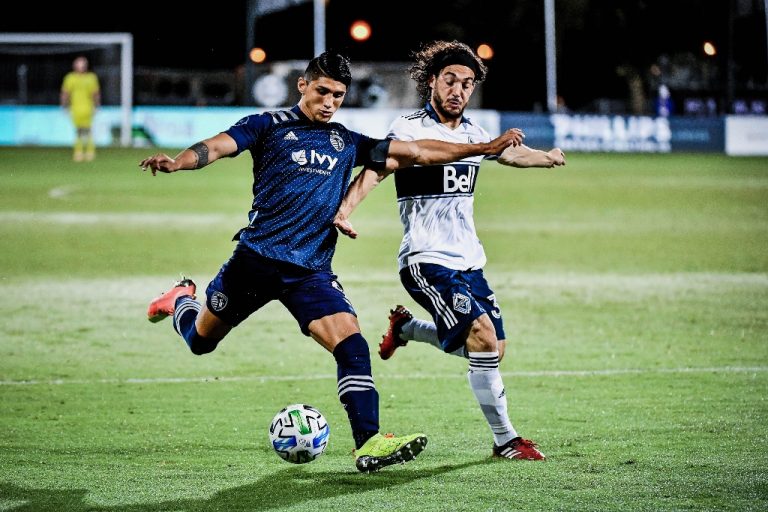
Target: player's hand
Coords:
[[159, 162], [557, 155], [341, 222], [510, 138]]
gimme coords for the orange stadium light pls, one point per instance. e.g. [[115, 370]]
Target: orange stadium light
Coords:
[[360, 30], [485, 52], [258, 55]]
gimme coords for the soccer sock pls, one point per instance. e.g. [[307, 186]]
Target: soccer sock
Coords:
[[184, 322], [426, 332], [485, 381], [357, 392], [90, 146]]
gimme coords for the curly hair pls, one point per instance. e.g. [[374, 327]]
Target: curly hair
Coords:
[[432, 57], [330, 65]]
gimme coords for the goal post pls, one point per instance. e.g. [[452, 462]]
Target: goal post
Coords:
[[124, 41]]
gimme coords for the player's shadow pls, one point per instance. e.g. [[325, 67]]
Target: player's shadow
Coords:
[[279, 490]]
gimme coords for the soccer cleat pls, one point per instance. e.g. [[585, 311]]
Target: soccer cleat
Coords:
[[165, 304], [391, 340], [518, 448], [382, 451]]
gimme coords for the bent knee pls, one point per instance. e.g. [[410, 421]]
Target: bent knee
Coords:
[[482, 336]]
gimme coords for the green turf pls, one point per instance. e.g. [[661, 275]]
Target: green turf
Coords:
[[635, 294]]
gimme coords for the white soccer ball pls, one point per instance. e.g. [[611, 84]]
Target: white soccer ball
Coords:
[[299, 433]]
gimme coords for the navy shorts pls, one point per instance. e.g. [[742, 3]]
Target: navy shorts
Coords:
[[454, 298], [249, 280]]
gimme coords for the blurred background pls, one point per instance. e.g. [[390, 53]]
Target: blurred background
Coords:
[[657, 58]]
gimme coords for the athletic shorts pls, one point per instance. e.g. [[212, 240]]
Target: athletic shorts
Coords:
[[454, 298], [82, 117], [249, 280]]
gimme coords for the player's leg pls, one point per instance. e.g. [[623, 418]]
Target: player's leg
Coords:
[[319, 305], [78, 154], [90, 145], [199, 328], [229, 301], [81, 120], [488, 387], [485, 352], [402, 324]]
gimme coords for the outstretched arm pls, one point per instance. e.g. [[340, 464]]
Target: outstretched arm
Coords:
[[428, 151], [363, 183], [196, 156], [523, 156]]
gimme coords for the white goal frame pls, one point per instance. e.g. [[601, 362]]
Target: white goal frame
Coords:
[[123, 39]]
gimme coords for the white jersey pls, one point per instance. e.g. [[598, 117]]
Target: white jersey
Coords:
[[437, 201]]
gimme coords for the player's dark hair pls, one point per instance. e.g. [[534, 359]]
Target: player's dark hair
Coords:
[[330, 65], [432, 57]]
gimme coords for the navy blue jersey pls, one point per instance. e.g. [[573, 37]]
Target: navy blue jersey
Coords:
[[301, 170]]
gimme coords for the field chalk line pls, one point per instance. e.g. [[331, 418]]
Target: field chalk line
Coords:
[[282, 378]]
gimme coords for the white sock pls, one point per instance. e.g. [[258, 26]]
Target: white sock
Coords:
[[485, 381], [426, 332]]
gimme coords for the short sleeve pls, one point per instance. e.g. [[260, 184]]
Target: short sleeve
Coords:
[[248, 130], [402, 129]]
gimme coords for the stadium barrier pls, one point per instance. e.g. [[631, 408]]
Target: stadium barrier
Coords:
[[176, 127]]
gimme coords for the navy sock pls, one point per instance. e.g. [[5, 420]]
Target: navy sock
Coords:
[[184, 322], [357, 392]]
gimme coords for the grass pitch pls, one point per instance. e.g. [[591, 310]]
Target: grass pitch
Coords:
[[635, 295]]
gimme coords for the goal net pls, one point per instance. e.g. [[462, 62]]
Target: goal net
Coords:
[[32, 66]]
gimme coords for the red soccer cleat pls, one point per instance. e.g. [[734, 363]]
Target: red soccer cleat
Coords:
[[518, 448], [165, 304], [391, 340]]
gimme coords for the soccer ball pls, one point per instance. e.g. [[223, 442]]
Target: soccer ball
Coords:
[[299, 433]]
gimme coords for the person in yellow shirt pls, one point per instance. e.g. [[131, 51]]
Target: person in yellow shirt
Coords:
[[80, 92]]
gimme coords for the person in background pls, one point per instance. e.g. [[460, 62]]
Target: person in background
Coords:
[[80, 92]]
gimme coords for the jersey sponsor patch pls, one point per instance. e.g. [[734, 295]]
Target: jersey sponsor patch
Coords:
[[300, 157], [461, 303], [435, 180], [219, 301]]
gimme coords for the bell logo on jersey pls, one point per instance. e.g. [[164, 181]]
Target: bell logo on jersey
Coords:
[[453, 181]]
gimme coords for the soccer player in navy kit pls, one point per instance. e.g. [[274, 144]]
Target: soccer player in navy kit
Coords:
[[441, 257], [302, 166]]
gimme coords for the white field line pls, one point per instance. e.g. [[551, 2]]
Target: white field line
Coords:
[[328, 376], [143, 219], [370, 224]]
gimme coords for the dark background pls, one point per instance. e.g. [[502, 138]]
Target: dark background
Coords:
[[603, 46]]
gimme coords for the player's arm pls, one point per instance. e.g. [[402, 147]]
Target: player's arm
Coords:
[[360, 187], [64, 97], [523, 156], [196, 156], [428, 151]]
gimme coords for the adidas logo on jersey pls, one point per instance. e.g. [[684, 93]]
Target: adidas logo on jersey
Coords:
[[290, 136]]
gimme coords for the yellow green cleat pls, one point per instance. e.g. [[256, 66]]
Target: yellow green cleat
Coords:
[[384, 450]]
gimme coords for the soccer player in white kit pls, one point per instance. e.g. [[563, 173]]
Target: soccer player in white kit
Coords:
[[441, 257]]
